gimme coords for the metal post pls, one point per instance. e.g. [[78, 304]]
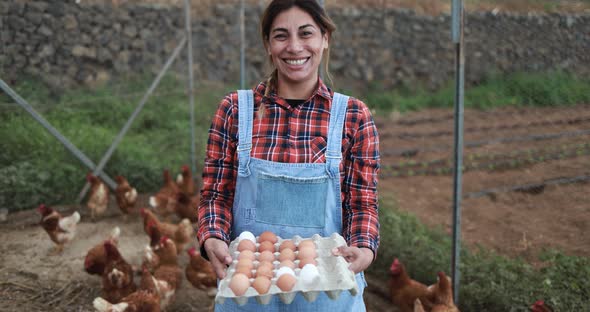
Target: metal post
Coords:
[[73, 149], [457, 34], [242, 45], [321, 2], [191, 91], [138, 109]]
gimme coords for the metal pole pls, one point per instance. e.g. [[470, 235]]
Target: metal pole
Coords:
[[138, 109], [457, 34], [321, 2], [191, 91], [242, 45], [73, 149]]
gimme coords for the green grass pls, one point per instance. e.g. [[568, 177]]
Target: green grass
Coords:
[[489, 282], [35, 167], [520, 89]]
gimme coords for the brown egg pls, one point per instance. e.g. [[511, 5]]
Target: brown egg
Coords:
[[266, 256], [261, 284], [306, 252], [245, 266], [268, 236], [246, 244], [266, 264], [306, 243], [239, 284], [265, 271], [287, 254], [246, 254], [287, 244], [266, 245], [304, 261], [287, 263], [286, 282]]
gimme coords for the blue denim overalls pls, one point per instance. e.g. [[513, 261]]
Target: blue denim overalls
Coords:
[[291, 199]]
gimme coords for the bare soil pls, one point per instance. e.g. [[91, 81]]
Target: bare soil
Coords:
[[517, 222]]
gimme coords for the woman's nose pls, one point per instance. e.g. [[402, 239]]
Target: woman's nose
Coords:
[[295, 45]]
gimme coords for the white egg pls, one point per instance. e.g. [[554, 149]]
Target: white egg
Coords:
[[309, 274], [284, 270], [247, 235]]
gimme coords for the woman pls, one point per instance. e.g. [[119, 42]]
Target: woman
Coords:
[[292, 157]]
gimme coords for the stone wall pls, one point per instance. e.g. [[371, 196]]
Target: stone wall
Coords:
[[67, 43]]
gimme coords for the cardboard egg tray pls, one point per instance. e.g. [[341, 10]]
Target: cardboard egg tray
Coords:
[[334, 275]]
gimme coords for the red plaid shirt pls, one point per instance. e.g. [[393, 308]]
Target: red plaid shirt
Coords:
[[294, 135]]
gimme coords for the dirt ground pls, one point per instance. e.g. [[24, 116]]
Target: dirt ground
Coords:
[[525, 188]]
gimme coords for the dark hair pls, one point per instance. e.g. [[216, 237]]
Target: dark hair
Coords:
[[312, 8]]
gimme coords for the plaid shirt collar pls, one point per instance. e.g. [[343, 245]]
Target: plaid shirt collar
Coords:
[[322, 91]]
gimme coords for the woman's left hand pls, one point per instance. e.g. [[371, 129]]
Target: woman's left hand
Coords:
[[359, 258]]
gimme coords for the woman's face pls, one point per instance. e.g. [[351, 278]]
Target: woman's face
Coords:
[[296, 45]]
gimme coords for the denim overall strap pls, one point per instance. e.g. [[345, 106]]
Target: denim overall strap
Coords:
[[334, 151], [245, 121]]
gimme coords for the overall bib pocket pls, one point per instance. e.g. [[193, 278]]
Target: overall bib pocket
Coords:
[[291, 201]]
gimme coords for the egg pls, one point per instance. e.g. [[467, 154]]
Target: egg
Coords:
[[261, 284], [287, 263], [247, 235], [239, 284], [304, 261], [285, 270], [306, 243], [246, 245], [306, 252], [268, 236], [267, 264], [266, 256], [287, 254], [309, 274], [245, 266], [266, 245], [265, 271], [246, 254], [286, 282], [287, 244]]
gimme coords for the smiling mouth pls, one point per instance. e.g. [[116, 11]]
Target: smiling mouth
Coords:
[[297, 61]]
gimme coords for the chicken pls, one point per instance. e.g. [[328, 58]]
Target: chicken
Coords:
[[126, 196], [117, 278], [404, 290], [61, 230], [164, 202], [96, 258], [185, 181], [139, 301], [186, 207], [98, 198], [168, 271], [151, 261], [540, 306], [200, 274], [442, 293], [181, 233]]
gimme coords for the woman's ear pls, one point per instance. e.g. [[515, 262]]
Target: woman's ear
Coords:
[[326, 40]]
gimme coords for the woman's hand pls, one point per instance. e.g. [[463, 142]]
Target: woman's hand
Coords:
[[218, 253], [359, 258]]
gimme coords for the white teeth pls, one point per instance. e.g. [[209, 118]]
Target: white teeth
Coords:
[[296, 62]]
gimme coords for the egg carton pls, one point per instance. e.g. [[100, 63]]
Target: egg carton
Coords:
[[334, 275]]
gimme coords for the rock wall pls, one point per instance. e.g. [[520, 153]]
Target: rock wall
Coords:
[[67, 43]]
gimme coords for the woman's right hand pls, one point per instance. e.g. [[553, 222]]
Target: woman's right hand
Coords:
[[218, 253]]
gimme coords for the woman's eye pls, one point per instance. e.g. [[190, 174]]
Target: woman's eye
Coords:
[[280, 36], [306, 33]]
